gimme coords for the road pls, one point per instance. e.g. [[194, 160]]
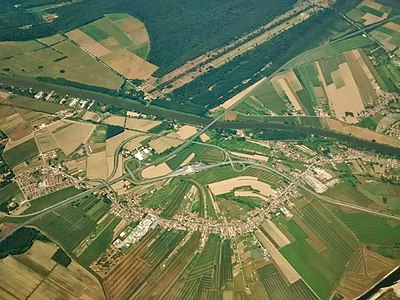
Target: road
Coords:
[[107, 183]]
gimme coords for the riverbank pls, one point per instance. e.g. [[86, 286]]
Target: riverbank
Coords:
[[162, 113]]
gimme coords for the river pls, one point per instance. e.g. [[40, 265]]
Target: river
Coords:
[[163, 113]]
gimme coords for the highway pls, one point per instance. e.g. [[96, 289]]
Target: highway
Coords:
[[36, 215]]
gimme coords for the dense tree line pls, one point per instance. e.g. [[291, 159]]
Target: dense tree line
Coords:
[[61, 257], [20, 241], [179, 29], [218, 85]]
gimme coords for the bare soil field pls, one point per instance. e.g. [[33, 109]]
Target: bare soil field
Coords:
[[343, 89], [73, 135], [120, 41], [135, 143], [156, 171], [87, 43], [34, 275], [129, 65], [97, 166], [204, 137], [113, 143], [141, 124], [45, 140], [274, 232], [289, 91], [115, 121], [186, 132], [91, 116], [361, 133], [369, 12], [359, 277], [225, 186]]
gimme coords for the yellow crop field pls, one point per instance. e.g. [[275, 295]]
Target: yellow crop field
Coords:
[[34, 275], [120, 41]]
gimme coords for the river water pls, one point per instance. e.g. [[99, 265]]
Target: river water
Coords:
[[163, 113]]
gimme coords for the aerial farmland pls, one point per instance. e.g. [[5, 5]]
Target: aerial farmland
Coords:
[[200, 149]]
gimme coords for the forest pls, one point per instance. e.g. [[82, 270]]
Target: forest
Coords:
[[179, 29], [218, 85]]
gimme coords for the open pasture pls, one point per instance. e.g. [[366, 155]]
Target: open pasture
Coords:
[[63, 60], [330, 263], [34, 275], [120, 41], [35, 105]]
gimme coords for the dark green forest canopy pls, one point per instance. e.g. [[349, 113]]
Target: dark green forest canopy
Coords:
[[179, 29]]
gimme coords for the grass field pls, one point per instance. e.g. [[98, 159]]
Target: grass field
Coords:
[[168, 198], [51, 199], [330, 50], [71, 224], [63, 60], [321, 238], [8, 193], [372, 230], [226, 172], [264, 98], [202, 153], [31, 104], [21, 153]]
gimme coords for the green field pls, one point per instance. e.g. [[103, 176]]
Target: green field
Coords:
[[51, 199], [226, 172], [101, 243], [277, 287], [63, 60], [35, 105], [262, 99], [372, 230], [203, 153], [204, 272], [169, 198], [330, 50], [240, 145], [8, 193], [72, 223], [21, 153], [336, 246], [111, 27]]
